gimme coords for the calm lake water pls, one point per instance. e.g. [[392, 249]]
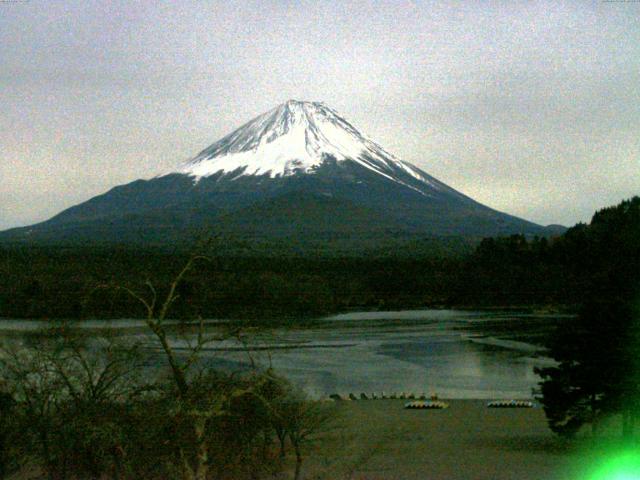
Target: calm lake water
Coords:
[[456, 354]]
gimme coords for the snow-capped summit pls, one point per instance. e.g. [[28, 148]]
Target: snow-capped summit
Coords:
[[295, 137]]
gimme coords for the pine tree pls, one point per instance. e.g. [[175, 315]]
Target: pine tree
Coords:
[[598, 352]]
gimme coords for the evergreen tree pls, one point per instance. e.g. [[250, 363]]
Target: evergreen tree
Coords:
[[598, 352], [597, 371]]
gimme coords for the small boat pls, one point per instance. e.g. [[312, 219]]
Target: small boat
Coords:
[[426, 405], [510, 404]]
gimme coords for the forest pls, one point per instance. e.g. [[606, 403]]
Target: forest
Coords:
[[264, 283]]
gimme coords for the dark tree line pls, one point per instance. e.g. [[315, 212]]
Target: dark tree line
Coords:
[[262, 282], [49, 282], [598, 352]]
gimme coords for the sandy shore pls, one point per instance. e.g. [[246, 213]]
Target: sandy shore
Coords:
[[379, 439]]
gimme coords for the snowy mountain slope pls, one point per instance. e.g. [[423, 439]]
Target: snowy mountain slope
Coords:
[[298, 137], [297, 170]]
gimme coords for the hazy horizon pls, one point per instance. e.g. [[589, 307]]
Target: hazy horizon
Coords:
[[531, 108]]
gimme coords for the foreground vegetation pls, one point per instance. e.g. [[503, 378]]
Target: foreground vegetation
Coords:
[[75, 407]]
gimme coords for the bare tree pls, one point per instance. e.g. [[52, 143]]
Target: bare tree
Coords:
[[39, 392], [301, 421], [95, 374], [199, 400], [196, 404], [69, 392]]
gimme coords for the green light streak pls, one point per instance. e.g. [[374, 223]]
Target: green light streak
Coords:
[[618, 466]]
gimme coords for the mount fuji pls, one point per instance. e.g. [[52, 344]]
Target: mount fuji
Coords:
[[297, 171]]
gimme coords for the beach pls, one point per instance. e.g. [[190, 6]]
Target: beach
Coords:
[[379, 439]]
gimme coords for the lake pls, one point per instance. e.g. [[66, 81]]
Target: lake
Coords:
[[454, 354]]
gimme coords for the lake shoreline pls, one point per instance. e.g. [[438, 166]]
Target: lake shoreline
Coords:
[[286, 319]]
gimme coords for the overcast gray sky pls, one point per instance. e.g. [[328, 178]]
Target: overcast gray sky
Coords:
[[532, 108]]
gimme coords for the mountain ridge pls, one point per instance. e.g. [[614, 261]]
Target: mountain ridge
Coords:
[[303, 147]]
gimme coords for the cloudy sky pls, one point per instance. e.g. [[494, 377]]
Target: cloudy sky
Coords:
[[530, 107]]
